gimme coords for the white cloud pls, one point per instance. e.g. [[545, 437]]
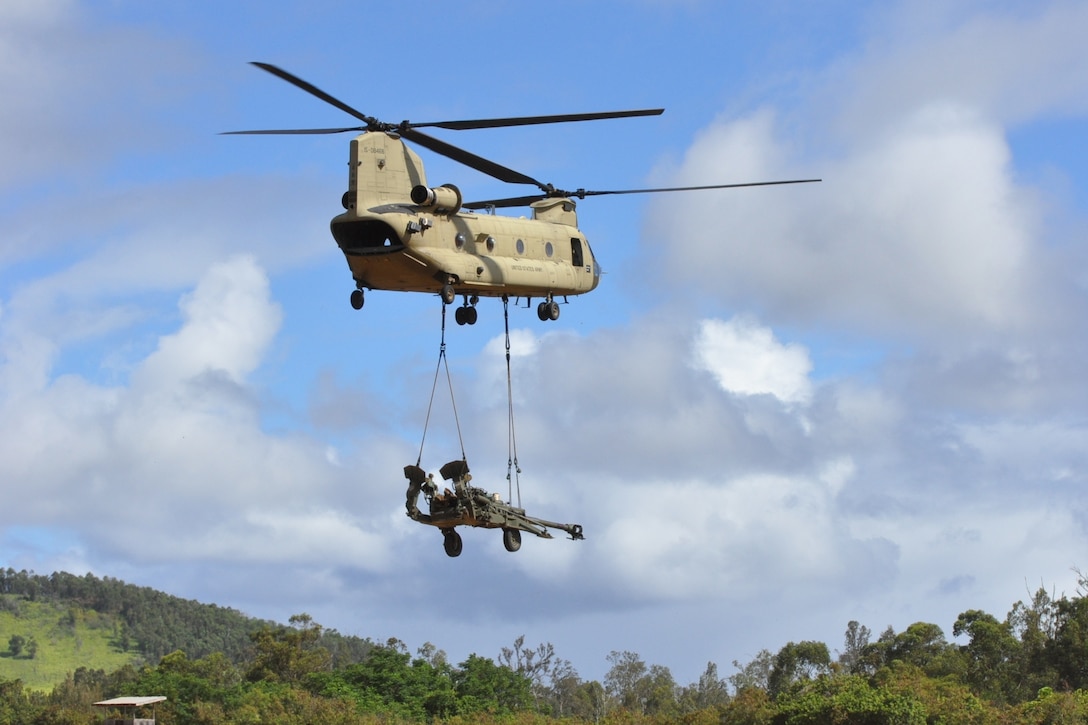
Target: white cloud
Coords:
[[176, 465], [923, 224], [745, 358], [228, 322], [728, 539], [1013, 65]]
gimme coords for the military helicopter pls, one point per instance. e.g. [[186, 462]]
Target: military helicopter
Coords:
[[399, 233]]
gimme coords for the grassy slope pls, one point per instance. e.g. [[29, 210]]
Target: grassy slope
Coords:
[[68, 638]]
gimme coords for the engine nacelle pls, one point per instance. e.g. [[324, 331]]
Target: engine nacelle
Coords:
[[445, 199]]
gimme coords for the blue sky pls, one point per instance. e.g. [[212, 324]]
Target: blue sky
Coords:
[[784, 408]]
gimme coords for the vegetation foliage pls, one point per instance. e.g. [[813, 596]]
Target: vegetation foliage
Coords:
[[1030, 667]]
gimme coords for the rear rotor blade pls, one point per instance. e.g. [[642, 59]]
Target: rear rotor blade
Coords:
[[533, 120], [504, 203], [583, 193]]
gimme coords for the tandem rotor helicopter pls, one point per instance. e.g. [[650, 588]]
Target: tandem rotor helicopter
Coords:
[[399, 233]]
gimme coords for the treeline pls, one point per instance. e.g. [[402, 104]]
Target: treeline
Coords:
[[1030, 667], [152, 624]]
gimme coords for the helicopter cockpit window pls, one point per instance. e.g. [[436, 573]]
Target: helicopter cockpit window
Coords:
[[576, 252], [520, 246], [549, 249]]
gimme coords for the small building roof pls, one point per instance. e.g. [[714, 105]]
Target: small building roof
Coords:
[[130, 701]]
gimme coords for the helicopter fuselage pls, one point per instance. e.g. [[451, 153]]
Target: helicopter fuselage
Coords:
[[397, 233]]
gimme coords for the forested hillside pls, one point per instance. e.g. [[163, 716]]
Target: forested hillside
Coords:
[[1029, 667], [146, 623]]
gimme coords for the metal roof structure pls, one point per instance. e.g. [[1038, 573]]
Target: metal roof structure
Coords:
[[130, 701]]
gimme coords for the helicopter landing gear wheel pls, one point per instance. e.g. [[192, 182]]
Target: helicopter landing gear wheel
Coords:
[[465, 315], [357, 299], [511, 539], [451, 542], [448, 294], [548, 310]]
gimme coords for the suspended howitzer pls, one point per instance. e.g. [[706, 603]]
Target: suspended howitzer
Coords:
[[467, 505]]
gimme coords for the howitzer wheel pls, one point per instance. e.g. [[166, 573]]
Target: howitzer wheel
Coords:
[[511, 539], [451, 542]]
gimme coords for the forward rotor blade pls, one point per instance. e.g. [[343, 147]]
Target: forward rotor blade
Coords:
[[534, 120], [471, 160], [314, 91], [292, 131]]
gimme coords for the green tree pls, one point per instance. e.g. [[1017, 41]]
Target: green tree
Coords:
[[921, 644], [1055, 708], [187, 684], [797, 662], [80, 688], [710, 691], [660, 692], [533, 663], [554, 680], [755, 674], [855, 641], [751, 706], [1067, 653], [389, 682], [847, 699], [989, 654], [590, 701], [1035, 626], [563, 685], [621, 682], [16, 644], [483, 686], [288, 654], [944, 699]]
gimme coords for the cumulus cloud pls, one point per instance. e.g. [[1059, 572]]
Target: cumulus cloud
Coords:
[[229, 321], [1012, 64], [746, 359], [924, 224], [175, 464]]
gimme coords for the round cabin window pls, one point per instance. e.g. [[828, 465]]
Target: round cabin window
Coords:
[[459, 240], [520, 245], [491, 244], [549, 249]]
